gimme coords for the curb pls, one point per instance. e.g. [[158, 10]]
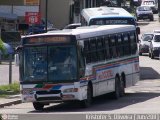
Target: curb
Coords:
[[10, 103]]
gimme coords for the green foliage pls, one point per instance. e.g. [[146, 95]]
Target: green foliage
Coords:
[[2, 48], [11, 89]]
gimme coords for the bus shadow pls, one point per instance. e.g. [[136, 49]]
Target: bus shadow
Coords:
[[143, 23], [148, 73], [102, 103]]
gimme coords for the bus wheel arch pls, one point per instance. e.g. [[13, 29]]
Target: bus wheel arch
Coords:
[[87, 102]]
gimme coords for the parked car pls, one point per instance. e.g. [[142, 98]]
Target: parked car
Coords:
[[40, 28], [156, 31], [154, 48], [144, 12], [72, 26], [144, 43]]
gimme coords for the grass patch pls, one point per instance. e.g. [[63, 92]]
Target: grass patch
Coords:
[[12, 89]]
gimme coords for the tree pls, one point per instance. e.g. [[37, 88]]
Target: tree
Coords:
[[2, 47]]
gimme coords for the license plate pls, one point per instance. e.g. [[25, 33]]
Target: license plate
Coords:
[[145, 16], [29, 98]]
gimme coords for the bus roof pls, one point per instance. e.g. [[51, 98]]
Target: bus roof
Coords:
[[89, 31], [105, 12]]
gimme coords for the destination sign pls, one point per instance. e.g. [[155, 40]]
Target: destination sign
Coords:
[[47, 39], [114, 21]]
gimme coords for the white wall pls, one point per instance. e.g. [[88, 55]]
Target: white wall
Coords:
[[19, 10], [58, 12]]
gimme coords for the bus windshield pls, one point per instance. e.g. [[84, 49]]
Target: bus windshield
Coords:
[[50, 63], [112, 21]]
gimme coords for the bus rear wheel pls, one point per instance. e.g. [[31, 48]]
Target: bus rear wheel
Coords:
[[122, 87], [149, 55], [116, 93], [87, 102], [152, 55], [38, 106]]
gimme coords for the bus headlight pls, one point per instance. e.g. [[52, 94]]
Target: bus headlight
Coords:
[[70, 90]]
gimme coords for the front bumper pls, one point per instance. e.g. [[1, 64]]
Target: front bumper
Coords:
[[49, 96], [144, 16]]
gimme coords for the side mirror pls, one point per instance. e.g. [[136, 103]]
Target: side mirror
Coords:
[[138, 30], [16, 59], [18, 51]]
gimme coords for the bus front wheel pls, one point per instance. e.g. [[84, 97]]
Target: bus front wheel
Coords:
[[87, 102], [38, 106]]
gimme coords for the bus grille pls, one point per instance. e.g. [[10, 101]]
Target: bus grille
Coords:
[[48, 92], [49, 98]]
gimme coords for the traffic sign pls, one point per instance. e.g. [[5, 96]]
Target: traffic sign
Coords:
[[32, 17]]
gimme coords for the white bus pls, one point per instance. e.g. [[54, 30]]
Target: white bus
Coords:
[[107, 16], [78, 64]]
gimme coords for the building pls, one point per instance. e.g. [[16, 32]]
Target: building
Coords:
[[63, 12], [13, 12], [59, 12]]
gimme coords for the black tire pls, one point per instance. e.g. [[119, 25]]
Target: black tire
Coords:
[[38, 106], [149, 54], [87, 102], [137, 19], [140, 53], [151, 19], [116, 93], [152, 56], [122, 87]]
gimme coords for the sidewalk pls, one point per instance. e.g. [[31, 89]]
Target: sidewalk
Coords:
[[4, 80], [4, 68], [12, 100]]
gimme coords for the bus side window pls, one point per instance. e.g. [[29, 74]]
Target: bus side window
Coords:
[[106, 45], [93, 49], [87, 51], [126, 45], [119, 46], [113, 46], [100, 48], [133, 42]]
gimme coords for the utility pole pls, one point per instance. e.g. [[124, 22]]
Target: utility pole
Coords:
[[10, 68], [46, 15], [159, 10], [119, 3]]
